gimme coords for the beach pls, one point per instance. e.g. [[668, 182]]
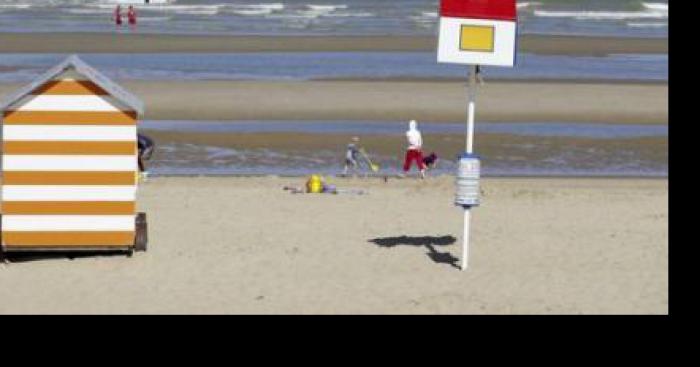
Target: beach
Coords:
[[244, 245], [641, 103], [244, 99]]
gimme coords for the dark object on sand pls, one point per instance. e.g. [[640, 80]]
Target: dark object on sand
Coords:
[[146, 146], [327, 189], [141, 239], [431, 160]]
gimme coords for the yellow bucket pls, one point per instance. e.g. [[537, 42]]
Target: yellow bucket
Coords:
[[314, 184]]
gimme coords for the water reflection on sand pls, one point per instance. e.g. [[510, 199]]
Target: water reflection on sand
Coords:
[[511, 149]]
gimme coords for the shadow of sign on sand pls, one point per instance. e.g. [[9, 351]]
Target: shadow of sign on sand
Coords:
[[429, 242]]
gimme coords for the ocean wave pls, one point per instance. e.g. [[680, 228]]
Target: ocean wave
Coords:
[[127, 2], [143, 19], [601, 15], [426, 19], [527, 4], [211, 9], [651, 11], [351, 15], [326, 8], [88, 11], [16, 6], [647, 25], [316, 11], [254, 9], [249, 12], [312, 11], [656, 6]]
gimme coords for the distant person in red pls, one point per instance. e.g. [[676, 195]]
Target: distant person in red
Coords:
[[131, 15], [117, 16]]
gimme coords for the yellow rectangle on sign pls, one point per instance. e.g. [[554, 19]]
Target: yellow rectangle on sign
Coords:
[[476, 38]]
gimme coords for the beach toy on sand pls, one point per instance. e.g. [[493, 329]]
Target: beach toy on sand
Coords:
[[374, 167], [70, 164], [314, 185]]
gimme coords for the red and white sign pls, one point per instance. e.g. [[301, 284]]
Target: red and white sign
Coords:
[[478, 32]]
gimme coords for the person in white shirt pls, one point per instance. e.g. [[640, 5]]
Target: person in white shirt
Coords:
[[414, 151]]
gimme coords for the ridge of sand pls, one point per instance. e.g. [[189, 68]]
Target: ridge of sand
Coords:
[[156, 43], [397, 100]]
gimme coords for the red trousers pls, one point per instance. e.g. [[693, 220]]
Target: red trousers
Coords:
[[413, 155]]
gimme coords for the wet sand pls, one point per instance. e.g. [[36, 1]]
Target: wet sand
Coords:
[[243, 245], [155, 43], [514, 147], [523, 101]]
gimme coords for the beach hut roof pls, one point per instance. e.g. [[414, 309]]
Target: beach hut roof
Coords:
[[74, 62]]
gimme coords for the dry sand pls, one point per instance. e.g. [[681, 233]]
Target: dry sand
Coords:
[[243, 245], [147, 43], [399, 100]]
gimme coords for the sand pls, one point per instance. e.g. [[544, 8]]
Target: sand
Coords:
[[450, 144], [147, 43], [243, 245], [577, 153], [525, 101]]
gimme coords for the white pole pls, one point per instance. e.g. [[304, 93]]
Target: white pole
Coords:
[[465, 247], [471, 101], [471, 105]]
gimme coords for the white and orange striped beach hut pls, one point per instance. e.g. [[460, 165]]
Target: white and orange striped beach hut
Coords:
[[69, 164]]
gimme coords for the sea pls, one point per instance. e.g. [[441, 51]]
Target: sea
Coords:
[[300, 66], [623, 18]]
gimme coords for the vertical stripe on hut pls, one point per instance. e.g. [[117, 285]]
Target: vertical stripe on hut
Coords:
[[69, 162]]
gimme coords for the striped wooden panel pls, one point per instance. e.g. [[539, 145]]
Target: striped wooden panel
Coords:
[[69, 162], [69, 169], [67, 193], [66, 103], [68, 133], [42, 223], [69, 178], [68, 207], [69, 117], [69, 147], [68, 239]]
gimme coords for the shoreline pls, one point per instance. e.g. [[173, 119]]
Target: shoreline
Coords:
[[489, 80], [73, 42], [278, 153]]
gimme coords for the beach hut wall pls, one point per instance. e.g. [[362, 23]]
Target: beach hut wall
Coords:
[[69, 162]]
